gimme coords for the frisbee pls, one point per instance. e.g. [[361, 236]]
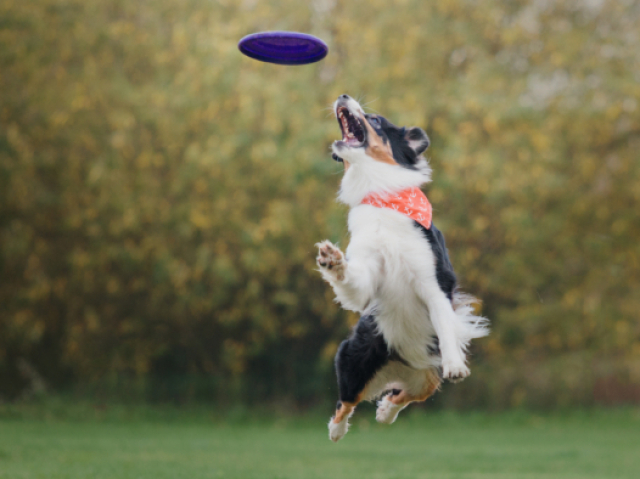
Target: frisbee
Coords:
[[284, 48]]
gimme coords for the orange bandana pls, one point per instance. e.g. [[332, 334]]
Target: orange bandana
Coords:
[[411, 202]]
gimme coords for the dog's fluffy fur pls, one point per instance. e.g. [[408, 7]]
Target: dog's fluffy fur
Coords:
[[415, 326]]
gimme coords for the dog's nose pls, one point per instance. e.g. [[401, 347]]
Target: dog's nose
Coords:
[[343, 97]]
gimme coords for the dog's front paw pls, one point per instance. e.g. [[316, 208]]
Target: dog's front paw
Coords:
[[331, 258], [454, 371]]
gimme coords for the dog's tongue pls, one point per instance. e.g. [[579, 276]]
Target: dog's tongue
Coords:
[[352, 133]]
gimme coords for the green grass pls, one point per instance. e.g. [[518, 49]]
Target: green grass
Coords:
[[600, 444]]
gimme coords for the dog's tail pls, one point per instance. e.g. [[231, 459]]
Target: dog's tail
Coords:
[[469, 326]]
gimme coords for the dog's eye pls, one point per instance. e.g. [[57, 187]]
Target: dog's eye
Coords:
[[375, 121]]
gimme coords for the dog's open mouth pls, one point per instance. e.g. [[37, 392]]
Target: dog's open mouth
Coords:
[[352, 131]]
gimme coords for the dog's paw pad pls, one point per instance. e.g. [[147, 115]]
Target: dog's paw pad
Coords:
[[330, 258], [455, 372]]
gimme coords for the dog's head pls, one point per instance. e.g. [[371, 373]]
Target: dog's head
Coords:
[[375, 137]]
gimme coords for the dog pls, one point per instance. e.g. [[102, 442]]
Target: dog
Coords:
[[415, 325]]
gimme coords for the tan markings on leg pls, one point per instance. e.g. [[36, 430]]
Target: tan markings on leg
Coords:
[[343, 411], [376, 147], [431, 385], [401, 398], [346, 407]]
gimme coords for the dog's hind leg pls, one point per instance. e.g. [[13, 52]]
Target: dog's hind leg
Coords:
[[390, 405], [358, 360], [339, 424]]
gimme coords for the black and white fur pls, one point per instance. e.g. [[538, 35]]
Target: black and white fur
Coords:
[[415, 326]]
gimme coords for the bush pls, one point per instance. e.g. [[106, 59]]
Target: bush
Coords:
[[160, 194]]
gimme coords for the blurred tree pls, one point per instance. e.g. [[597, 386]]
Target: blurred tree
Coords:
[[160, 194]]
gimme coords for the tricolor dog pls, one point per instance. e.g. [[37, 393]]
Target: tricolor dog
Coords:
[[415, 325]]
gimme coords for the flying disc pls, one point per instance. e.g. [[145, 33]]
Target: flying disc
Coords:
[[284, 48]]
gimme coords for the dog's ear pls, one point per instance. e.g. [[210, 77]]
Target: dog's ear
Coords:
[[417, 139]]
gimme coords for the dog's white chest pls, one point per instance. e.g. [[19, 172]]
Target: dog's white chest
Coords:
[[405, 264]]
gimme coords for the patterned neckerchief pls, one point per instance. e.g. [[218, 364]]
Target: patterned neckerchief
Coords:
[[411, 202]]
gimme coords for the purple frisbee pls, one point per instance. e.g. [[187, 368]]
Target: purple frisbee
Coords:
[[284, 48]]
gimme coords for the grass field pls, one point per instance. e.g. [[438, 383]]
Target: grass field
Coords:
[[600, 444]]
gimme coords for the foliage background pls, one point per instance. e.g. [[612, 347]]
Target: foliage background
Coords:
[[160, 194]]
